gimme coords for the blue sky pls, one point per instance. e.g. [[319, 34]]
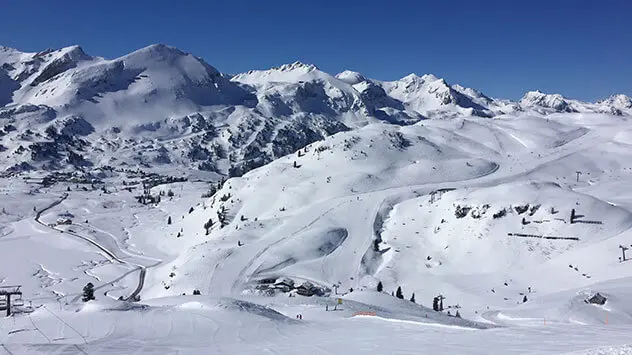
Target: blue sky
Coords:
[[579, 48]]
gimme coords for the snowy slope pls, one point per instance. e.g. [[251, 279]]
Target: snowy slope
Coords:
[[433, 195], [478, 211], [514, 212], [185, 112], [430, 194]]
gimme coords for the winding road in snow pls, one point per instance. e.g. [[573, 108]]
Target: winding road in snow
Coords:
[[111, 254]]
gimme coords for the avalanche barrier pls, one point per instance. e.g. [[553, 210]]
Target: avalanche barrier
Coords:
[[540, 236]]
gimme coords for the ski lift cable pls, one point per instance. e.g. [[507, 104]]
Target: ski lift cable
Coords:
[[68, 325], [39, 330], [5, 349], [80, 349]]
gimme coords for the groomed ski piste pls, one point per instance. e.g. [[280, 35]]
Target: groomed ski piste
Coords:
[[476, 210]]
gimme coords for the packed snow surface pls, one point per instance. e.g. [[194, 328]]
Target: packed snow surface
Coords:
[[515, 215]]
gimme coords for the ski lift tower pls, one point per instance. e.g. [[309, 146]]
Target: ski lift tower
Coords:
[[7, 292], [623, 250]]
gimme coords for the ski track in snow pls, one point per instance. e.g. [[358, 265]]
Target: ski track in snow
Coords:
[[142, 269]]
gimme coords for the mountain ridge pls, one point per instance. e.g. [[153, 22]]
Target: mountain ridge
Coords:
[[283, 67], [185, 111]]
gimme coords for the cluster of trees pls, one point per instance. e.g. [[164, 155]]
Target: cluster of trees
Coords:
[[212, 189], [399, 294], [154, 179], [147, 198], [437, 302], [221, 216]]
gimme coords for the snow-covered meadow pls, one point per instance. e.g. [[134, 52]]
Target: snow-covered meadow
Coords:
[[469, 209], [513, 214]]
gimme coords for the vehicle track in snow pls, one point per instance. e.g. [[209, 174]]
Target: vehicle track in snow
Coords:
[[112, 255], [499, 173], [244, 270], [143, 268]]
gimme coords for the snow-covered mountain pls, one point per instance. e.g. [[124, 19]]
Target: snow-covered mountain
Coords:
[[415, 206], [489, 214], [618, 105], [63, 108], [182, 111], [355, 206]]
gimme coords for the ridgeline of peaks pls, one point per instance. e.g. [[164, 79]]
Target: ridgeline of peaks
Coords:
[[64, 108], [296, 66]]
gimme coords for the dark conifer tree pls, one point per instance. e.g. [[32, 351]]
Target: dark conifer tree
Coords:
[[88, 292]]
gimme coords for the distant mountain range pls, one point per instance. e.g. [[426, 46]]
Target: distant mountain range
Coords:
[[64, 109]]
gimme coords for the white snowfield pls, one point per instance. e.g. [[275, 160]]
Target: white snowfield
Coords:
[[517, 220], [473, 209]]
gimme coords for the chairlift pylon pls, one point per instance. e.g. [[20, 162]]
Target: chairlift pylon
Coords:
[[17, 301]]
